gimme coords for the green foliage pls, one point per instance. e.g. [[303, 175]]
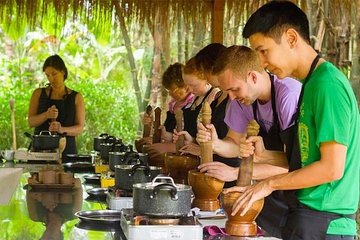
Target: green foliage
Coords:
[[100, 73]]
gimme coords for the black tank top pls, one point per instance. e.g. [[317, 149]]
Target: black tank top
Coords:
[[66, 117], [190, 115], [170, 122], [217, 119]]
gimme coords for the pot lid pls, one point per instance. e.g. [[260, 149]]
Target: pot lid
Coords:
[[161, 179], [126, 167]]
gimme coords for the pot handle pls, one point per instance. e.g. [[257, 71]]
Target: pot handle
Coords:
[[47, 133], [141, 167], [162, 177], [28, 135], [166, 186], [110, 139], [131, 160], [31, 137], [104, 135]]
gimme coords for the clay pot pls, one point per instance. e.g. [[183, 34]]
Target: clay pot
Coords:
[[48, 176], [66, 178], [178, 166], [206, 190], [238, 225]]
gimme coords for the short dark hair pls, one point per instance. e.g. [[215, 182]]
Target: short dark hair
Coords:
[[205, 59], [56, 62], [173, 76], [273, 18]]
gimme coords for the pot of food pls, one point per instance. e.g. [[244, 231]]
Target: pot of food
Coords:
[[162, 199], [45, 140], [116, 158], [99, 140], [127, 175]]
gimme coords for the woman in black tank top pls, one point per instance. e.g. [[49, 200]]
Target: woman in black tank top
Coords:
[[203, 92], [203, 62], [57, 108]]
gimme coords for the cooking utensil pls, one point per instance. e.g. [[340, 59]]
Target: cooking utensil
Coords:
[[116, 158], [79, 166], [93, 178], [127, 175], [45, 140], [103, 227], [97, 192], [12, 106], [99, 216], [159, 198], [98, 140]]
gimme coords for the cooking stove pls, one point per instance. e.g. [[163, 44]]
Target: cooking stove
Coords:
[[119, 199], [46, 156], [144, 227]]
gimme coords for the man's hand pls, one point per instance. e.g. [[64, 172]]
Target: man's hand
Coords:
[[219, 170], [191, 148], [206, 133], [250, 195], [188, 138], [252, 146]]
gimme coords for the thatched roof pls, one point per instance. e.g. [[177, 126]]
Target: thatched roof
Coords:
[[332, 21], [14, 13]]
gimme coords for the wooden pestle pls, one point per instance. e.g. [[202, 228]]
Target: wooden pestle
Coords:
[[156, 125], [147, 127], [246, 165], [206, 147], [179, 127]]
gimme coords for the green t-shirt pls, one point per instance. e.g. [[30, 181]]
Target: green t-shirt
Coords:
[[329, 112]]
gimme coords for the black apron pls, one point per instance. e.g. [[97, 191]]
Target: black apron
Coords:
[[170, 122], [302, 222], [217, 119], [275, 202], [190, 115], [66, 117]]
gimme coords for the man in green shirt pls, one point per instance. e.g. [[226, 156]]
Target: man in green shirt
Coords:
[[324, 162]]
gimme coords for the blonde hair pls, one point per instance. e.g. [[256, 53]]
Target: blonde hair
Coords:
[[191, 68], [239, 59]]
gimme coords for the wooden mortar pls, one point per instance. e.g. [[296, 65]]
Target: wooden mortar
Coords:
[[206, 189], [238, 225]]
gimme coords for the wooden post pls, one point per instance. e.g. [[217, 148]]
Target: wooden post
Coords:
[[206, 147], [217, 21], [246, 165]]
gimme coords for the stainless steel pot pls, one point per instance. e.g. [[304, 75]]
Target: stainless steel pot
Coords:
[[127, 175], [162, 199]]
